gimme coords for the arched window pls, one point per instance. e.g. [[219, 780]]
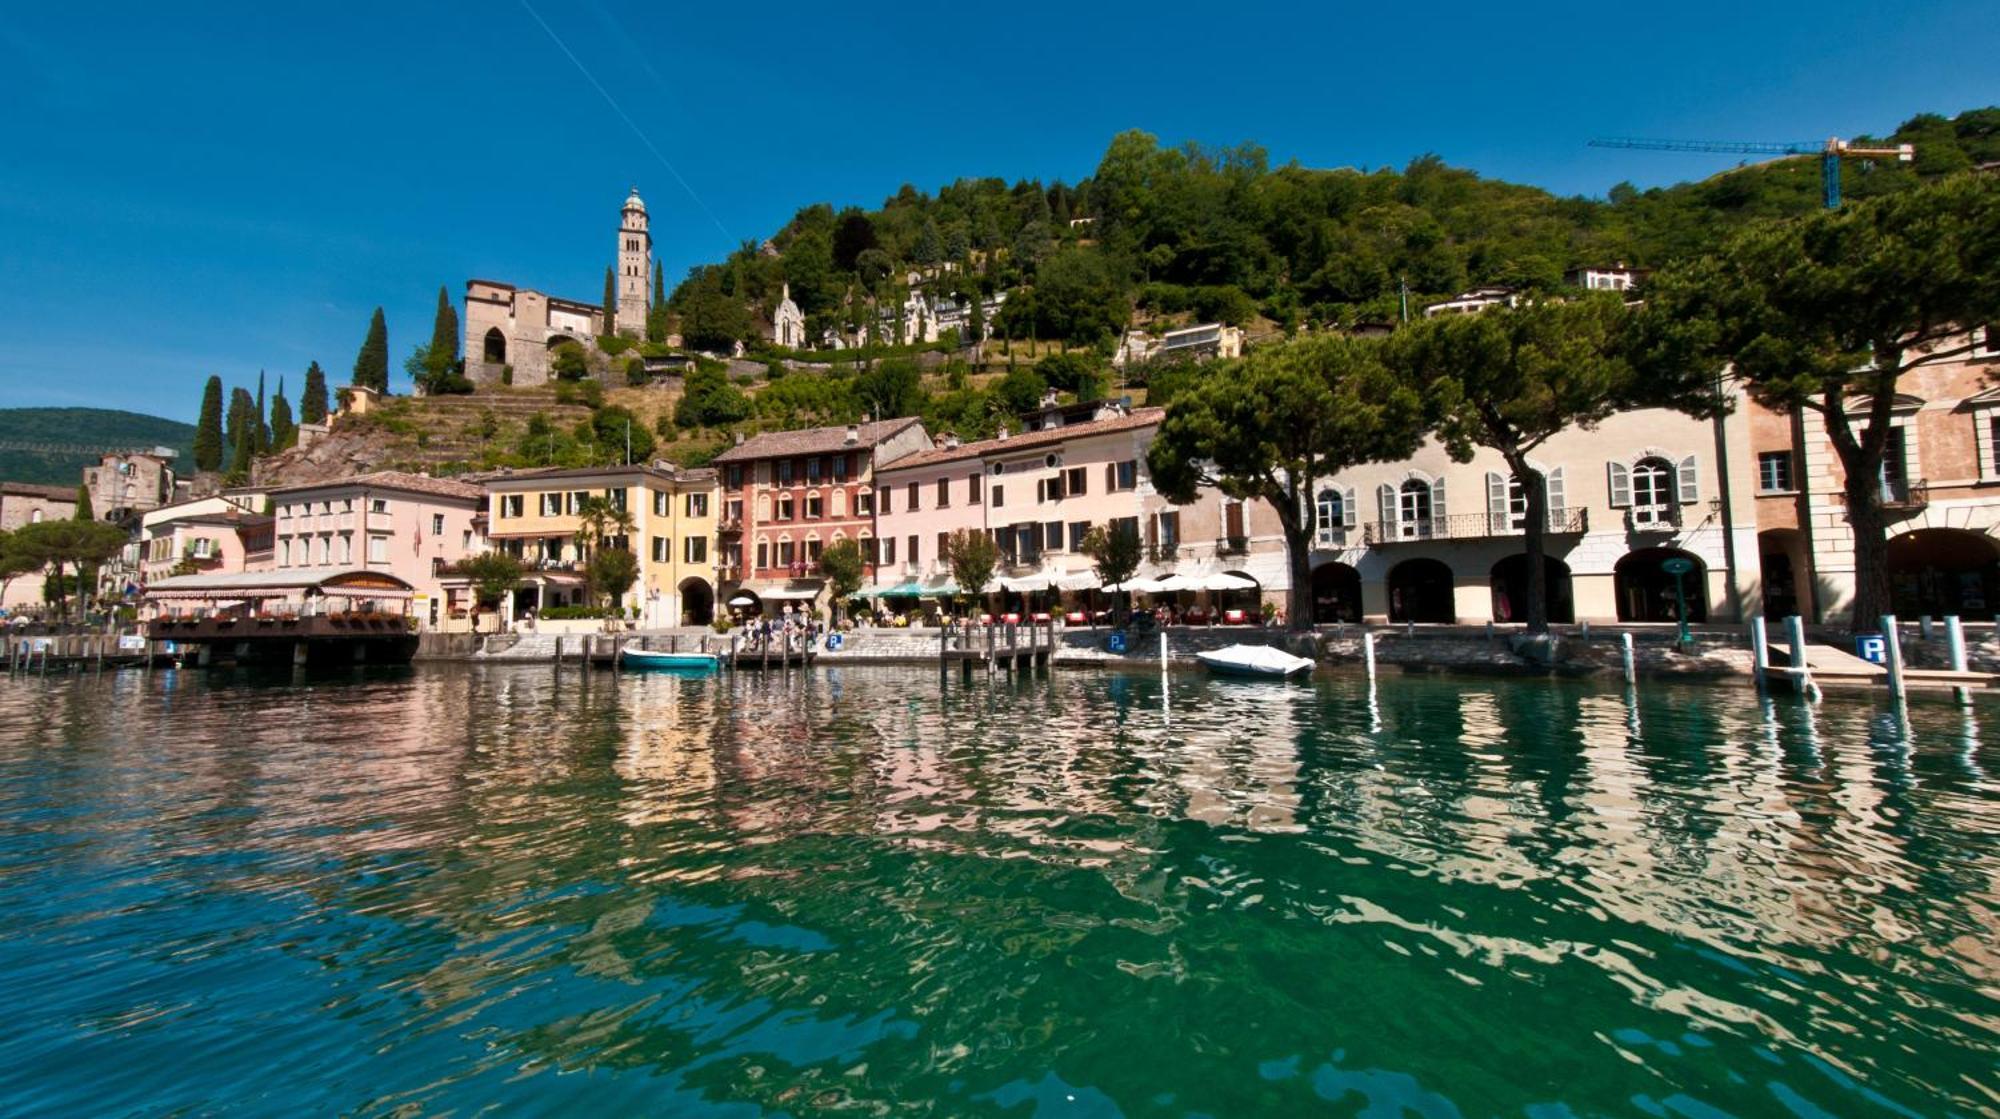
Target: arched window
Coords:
[[1336, 516], [1413, 509], [495, 347], [1653, 492]]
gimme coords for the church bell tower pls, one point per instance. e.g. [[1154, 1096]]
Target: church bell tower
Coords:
[[635, 267]]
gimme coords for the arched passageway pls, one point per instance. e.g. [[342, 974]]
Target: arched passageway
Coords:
[[1645, 591], [697, 602], [1420, 591], [1336, 591], [1941, 571], [1510, 589]]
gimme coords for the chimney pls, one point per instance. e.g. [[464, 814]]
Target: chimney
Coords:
[[739, 439], [1001, 435], [864, 417], [951, 440], [853, 434]]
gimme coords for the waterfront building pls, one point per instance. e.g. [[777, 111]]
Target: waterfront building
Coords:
[[1940, 486], [508, 326], [124, 484], [1432, 540], [411, 526], [534, 516], [208, 535], [786, 496], [1037, 493]]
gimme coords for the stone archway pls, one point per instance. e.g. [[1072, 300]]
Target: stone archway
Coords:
[[1420, 591], [697, 602], [1944, 571], [1336, 591], [1510, 589], [494, 346], [1645, 592]]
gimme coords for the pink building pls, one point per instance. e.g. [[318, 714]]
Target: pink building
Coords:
[[208, 536], [411, 526], [1037, 493]]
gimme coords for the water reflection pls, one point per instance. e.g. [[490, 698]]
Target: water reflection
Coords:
[[811, 892]]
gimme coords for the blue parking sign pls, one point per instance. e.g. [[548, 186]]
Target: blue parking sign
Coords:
[[1116, 642], [1871, 647]]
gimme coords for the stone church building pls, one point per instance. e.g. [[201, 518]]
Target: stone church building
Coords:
[[520, 327]]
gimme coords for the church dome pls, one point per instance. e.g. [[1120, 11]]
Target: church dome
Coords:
[[635, 202]]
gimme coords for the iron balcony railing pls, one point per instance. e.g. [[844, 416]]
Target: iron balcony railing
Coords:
[[1469, 526]]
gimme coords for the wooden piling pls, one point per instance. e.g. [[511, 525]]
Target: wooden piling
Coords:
[[1954, 641], [1892, 645], [1760, 651]]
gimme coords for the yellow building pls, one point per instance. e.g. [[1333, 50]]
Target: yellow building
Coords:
[[669, 517]]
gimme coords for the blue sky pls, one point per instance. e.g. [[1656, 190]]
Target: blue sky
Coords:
[[223, 188]]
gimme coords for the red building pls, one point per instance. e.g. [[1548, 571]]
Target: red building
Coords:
[[789, 495]]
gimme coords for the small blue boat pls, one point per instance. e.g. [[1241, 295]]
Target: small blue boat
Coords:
[[669, 662]]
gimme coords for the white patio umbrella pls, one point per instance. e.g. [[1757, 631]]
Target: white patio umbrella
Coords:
[[1143, 586], [1223, 581], [1178, 582], [1079, 581], [742, 600]]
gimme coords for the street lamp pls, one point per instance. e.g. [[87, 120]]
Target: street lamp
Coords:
[[1678, 566]]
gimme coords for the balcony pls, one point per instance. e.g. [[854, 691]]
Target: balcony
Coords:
[[1232, 545], [1653, 518], [1468, 526], [729, 526]]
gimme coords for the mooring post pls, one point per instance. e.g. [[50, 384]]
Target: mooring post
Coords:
[[1631, 662], [1892, 647], [1954, 642], [1368, 653], [1163, 650], [1795, 632], [1760, 650], [1924, 626]]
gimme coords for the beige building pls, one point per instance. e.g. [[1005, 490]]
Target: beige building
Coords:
[[510, 327], [124, 484], [1940, 486], [1432, 540], [533, 516], [24, 503]]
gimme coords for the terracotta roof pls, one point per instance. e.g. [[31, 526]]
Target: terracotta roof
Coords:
[[1028, 440], [37, 489], [395, 480], [814, 440]]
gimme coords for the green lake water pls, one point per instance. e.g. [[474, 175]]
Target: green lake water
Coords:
[[448, 891]]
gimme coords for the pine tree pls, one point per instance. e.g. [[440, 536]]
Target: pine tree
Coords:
[[312, 402], [83, 510], [371, 365], [610, 301], [284, 432], [261, 437], [208, 428]]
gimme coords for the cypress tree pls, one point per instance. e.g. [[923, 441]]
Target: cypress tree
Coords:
[[610, 301], [284, 432], [244, 450], [208, 428], [371, 365], [659, 286], [261, 436], [83, 510], [444, 333], [312, 402], [236, 427]]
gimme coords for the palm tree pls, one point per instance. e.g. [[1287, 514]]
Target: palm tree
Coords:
[[598, 520]]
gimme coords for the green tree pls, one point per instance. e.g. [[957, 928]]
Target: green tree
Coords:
[[611, 573], [1073, 371], [1078, 298], [83, 510], [260, 436], [493, 575], [1020, 391], [284, 433], [570, 362], [895, 387], [1830, 313], [243, 451], [972, 557], [208, 445], [1511, 379], [15, 561], [599, 521], [709, 400], [1292, 413], [241, 418], [64, 546], [312, 402], [371, 365], [840, 562], [610, 300], [620, 436], [1115, 551], [712, 318]]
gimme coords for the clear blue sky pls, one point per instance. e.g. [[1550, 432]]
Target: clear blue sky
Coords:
[[224, 187]]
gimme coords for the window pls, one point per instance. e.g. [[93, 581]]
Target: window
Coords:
[[549, 504], [1122, 475], [1049, 489], [437, 524], [999, 496], [888, 549], [284, 552], [944, 493], [785, 508], [885, 505], [1331, 530], [1413, 509], [511, 505], [1169, 531], [378, 549], [577, 499], [864, 503], [943, 547], [785, 553], [972, 482], [616, 498], [785, 472], [377, 505], [1774, 472], [870, 552], [663, 549], [697, 505], [915, 556], [1076, 481], [763, 553], [1077, 531], [1993, 442], [812, 550], [734, 476], [1896, 465], [661, 506], [840, 468], [812, 470], [694, 549], [1652, 492], [815, 507], [1052, 536], [911, 496]]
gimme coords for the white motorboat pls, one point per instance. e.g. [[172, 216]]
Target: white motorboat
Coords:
[[1254, 660]]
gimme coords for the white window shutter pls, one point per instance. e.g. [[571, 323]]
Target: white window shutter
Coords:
[[1347, 509], [1438, 528], [1385, 497], [1558, 500], [1621, 484], [1690, 484], [1496, 502]]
